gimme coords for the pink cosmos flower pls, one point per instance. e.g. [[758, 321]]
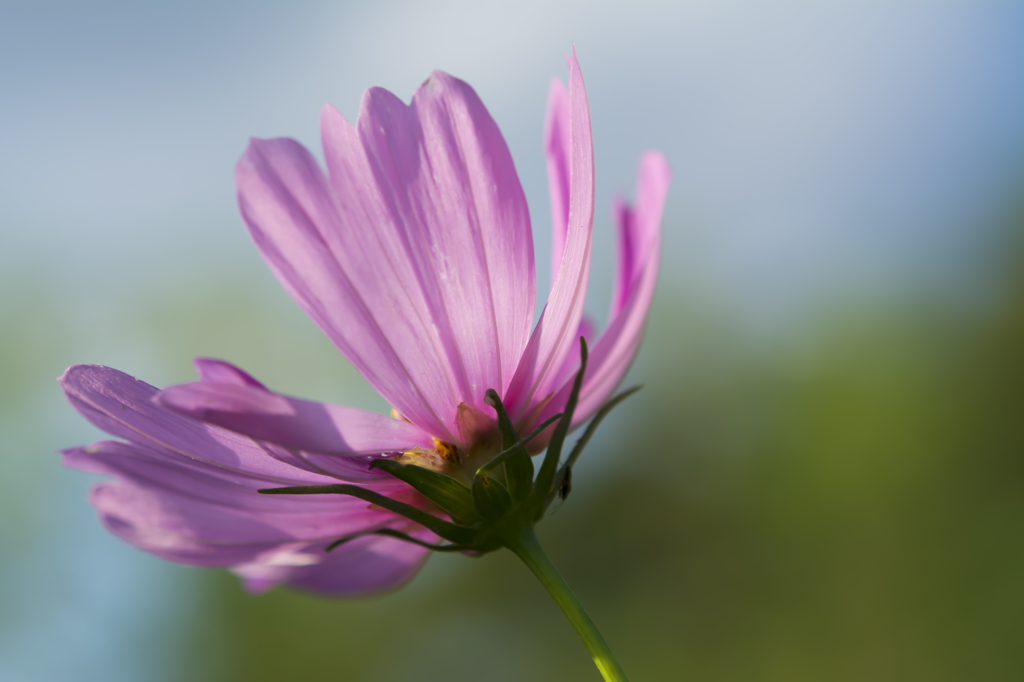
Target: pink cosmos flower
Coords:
[[413, 252]]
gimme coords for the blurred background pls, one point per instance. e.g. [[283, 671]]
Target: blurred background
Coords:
[[824, 477]]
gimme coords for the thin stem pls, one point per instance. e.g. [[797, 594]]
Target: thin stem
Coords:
[[529, 550]]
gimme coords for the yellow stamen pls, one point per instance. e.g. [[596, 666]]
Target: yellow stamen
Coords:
[[447, 451]]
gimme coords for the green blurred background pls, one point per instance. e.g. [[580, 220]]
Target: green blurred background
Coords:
[[823, 478]]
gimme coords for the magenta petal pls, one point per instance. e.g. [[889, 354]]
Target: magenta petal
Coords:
[[639, 228], [123, 407], [625, 256], [292, 422], [553, 338], [556, 149], [640, 235]]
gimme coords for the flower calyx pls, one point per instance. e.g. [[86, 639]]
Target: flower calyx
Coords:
[[505, 496]]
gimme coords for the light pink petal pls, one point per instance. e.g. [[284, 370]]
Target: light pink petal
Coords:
[[556, 149], [351, 468], [553, 337], [123, 407], [199, 514], [640, 233], [366, 565], [219, 371], [416, 256], [639, 228], [291, 211], [177, 494], [455, 221], [292, 422], [613, 353]]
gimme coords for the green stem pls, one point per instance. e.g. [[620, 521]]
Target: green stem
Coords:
[[529, 550]]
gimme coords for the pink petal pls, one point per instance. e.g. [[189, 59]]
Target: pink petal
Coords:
[[556, 149], [349, 468], [460, 214], [366, 565], [290, 209], [219, 371], [553, 338], [191, 512], [640, 239], [639, 228], [122, 406], [416, 256], [187, 492], [292, 422], [613, 353], [625, 257]]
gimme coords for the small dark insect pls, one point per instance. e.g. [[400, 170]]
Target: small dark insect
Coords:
[[565, 487]]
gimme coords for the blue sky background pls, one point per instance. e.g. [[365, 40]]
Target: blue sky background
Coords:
[[814, 147]]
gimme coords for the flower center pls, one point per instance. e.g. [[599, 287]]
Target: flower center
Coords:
[[480, 442]]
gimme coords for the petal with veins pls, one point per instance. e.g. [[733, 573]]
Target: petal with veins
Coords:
[[415, 256], [640, 232], [195, 513], [556, 150], [123, 407], [553, 337], [292, 422]]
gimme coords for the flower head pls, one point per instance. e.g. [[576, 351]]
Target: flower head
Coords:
[[413, 252]]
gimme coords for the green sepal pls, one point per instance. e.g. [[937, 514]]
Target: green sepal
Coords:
[[520, 473], [503, 456], [518, 467], [564, 477], [509, 437], [491, 498], [401, 536], [545, 479], [447, 493], [461, 535]]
